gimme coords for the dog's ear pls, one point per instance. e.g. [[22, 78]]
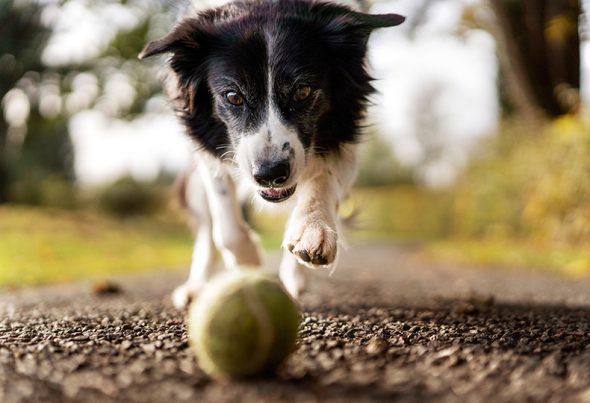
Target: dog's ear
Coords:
[[374, 21], [189, 44], [183, 37], [339, 19], [158, 46]]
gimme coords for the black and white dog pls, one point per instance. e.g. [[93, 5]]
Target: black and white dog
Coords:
[[273, 93]]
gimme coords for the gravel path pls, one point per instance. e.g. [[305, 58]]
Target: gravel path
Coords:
[[386, 326]]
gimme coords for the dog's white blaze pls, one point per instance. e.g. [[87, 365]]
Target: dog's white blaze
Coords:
[[267, 144], [279, 136]]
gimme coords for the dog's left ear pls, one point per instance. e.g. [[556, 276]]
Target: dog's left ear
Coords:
[[374, 21], [341, 20]]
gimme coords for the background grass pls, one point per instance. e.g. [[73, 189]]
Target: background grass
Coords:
[[512, 254], [50, 245]]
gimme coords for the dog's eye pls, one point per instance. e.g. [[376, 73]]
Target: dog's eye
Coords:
[[302, 93], [234, 98]]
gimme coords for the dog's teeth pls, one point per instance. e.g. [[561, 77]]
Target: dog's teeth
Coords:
[[273, 192], [276, 195]]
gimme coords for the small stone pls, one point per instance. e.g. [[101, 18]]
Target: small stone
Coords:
[[148, 348], [377, 346], [106, 287]]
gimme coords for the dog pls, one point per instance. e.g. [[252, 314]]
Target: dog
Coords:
[[273, 93]]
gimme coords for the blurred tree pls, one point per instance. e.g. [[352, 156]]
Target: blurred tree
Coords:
[[38, 99], [539, 44], [22, 37]]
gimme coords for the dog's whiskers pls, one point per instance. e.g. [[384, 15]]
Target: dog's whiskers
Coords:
[[229, 155]]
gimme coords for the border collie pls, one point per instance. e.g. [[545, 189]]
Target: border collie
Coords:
[[273, 94]]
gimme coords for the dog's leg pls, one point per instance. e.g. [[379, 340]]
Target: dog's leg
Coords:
[[292, 275], [203, 258], [311, 231], [238, 244]]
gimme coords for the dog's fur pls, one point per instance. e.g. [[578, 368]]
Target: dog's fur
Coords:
[[273, 93]]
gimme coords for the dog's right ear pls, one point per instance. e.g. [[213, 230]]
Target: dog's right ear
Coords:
[[183, 37], [188, 44], [157, 47]]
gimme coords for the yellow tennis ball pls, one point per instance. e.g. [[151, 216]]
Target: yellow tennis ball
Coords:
[[244, 323]]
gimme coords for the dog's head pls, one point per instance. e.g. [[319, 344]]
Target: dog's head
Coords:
[[271, 83]]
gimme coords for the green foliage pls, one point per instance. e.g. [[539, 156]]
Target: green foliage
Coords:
[[21, 41], [128, 197], [525, 201], [534, 183], [558, 204], [403, 212], [53, 191], [488, 199], [22, 36], [40, 147], [121, 56]]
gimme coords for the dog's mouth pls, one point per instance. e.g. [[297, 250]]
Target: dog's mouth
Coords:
[[274, 195]]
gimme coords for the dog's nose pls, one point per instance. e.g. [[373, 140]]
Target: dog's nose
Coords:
[[272, 173]]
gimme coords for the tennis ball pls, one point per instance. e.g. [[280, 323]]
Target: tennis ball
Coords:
[[243, 324]]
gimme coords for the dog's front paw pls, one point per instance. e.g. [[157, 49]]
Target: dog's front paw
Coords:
[[184, 294], [312, 241]]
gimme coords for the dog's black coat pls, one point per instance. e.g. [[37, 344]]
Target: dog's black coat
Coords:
[[299, 43]]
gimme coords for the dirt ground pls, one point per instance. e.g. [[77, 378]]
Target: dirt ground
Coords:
[[386, 326]]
